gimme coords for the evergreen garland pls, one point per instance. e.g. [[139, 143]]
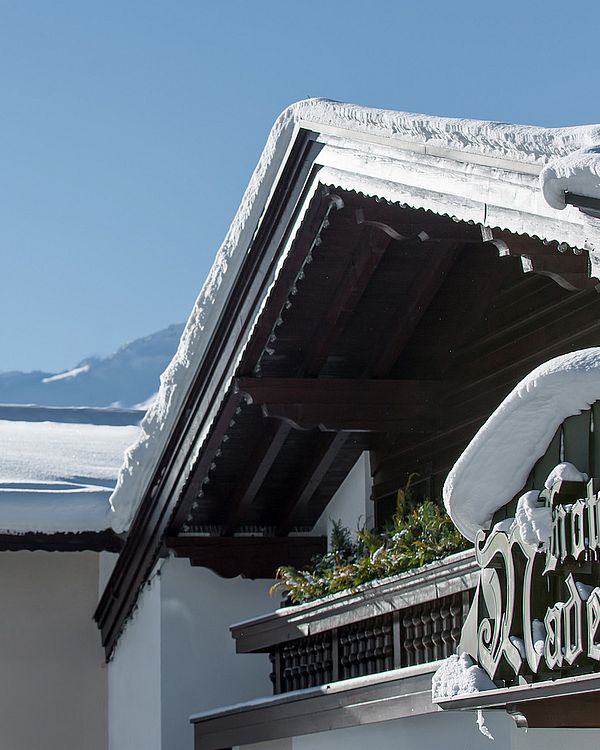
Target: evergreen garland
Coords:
[[415, 537]]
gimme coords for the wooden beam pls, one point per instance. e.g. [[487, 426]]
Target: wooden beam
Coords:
[[338, 404], [349, 418], [340, 391], [257, 467], [248, 556], [311, 477]]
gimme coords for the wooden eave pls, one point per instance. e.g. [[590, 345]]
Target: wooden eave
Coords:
[[360, 301]]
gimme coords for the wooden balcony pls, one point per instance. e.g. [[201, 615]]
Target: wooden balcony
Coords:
[[404, 621]]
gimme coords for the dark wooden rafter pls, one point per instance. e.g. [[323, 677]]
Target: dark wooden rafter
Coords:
[[568, 267], [288, 276], [253, 556], [316, 222], [344, 404], [311, 476], [368, 251], [364, 259], [375, 409], [527, 348], [256, 469], [440, 260]]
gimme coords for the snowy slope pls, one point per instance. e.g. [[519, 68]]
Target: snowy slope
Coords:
[[128, 378]]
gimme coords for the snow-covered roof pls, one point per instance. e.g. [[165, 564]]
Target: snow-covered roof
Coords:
[[496, 463], [473, 170], [58, 477]]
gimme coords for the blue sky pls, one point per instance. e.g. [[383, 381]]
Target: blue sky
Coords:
[[129, 129]]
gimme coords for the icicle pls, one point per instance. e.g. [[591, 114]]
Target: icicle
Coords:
[[482, 727]]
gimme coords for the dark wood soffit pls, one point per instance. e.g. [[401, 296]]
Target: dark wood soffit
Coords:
[[145, 538], [262, 458], [248, 556], [311, 475]]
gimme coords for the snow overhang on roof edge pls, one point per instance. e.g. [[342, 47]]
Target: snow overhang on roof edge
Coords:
[[495, 465], [527, 145]]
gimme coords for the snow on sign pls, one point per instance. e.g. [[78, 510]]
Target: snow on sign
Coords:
[[536, 611]]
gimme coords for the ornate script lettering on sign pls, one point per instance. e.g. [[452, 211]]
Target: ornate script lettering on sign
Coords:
[[537, 606]]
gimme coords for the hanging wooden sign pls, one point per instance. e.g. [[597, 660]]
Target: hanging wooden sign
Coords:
[[536, 612]]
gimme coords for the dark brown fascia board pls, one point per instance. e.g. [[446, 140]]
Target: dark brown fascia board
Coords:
[[95, 541], [144, 541], [361, 700]]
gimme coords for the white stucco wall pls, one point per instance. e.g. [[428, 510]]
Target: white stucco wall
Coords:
[[351, 504], [134, 698], [52, 672], [200, 669], [446, 731]]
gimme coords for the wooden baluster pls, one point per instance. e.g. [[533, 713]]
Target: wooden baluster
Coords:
[[427, 640], [408, 638], [335, 655], [397, 628], [418, 638], [446, 631], [436, 633]]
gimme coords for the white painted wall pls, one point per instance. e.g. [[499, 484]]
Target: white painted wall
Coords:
[[200, 669], [106, 564], [134, 697], [351, 504], [446, 731], [52, 673]]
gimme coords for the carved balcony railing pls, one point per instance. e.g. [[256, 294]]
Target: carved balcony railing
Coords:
[[407, 620]]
